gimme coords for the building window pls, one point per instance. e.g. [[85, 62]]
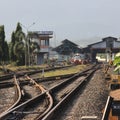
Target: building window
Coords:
[[42, 42], [45, 42]]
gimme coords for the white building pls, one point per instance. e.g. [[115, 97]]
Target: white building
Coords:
[[42, 38]]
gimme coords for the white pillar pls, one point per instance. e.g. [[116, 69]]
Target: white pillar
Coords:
[[113, 56]]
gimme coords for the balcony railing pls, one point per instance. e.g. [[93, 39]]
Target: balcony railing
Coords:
[[44, 48]]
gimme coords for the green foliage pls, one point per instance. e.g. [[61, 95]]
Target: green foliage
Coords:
[[116, 63], [2, 34], [2, 38], [34, 46], [19, 35], [19, 52], [4, 51], [11, 47], [13, 38], [17, 47]]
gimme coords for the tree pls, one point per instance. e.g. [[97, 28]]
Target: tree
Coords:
[[4, 51], [17, 48], [34, 48], [11, 47], [2, 39], [19, 35], [19, 52]]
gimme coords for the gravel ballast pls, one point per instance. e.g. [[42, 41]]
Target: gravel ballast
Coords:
[[90, 102]]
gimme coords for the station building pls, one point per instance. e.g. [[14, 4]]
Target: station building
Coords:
[[67, 49], [109, 45], [43, 40]]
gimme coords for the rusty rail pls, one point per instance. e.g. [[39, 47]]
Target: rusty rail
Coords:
[[19, 95], [66, 99], [44, 93]]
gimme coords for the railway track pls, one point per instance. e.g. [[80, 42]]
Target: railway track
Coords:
[[18, 112], [45, 80], [62, 98], [19, 73], [30, 89], [13, 93], [11, 96], [31, 108], [36, 76]]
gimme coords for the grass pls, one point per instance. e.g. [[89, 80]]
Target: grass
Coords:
[[65, 71], [69, 70], [1, 73], [14, 68]]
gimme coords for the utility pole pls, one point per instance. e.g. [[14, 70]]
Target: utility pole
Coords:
[[27, 43]]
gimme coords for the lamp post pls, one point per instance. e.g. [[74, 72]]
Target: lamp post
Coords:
[[27, 43]]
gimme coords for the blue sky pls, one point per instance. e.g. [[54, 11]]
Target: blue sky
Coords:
[[81, 21]]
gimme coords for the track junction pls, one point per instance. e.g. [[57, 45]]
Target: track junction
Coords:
[[44, 99]]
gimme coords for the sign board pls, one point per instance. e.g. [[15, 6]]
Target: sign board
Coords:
[[45, 32]]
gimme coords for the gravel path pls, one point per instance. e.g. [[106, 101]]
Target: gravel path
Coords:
[[90, 103]]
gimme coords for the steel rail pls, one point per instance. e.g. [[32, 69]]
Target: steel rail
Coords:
[[23, 105], [10, 75], [44, 93], [44, 79], [18, 94], [66, 99], [47, 93], [81, 73]]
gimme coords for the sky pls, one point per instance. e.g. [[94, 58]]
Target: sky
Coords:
[[80, 21]]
